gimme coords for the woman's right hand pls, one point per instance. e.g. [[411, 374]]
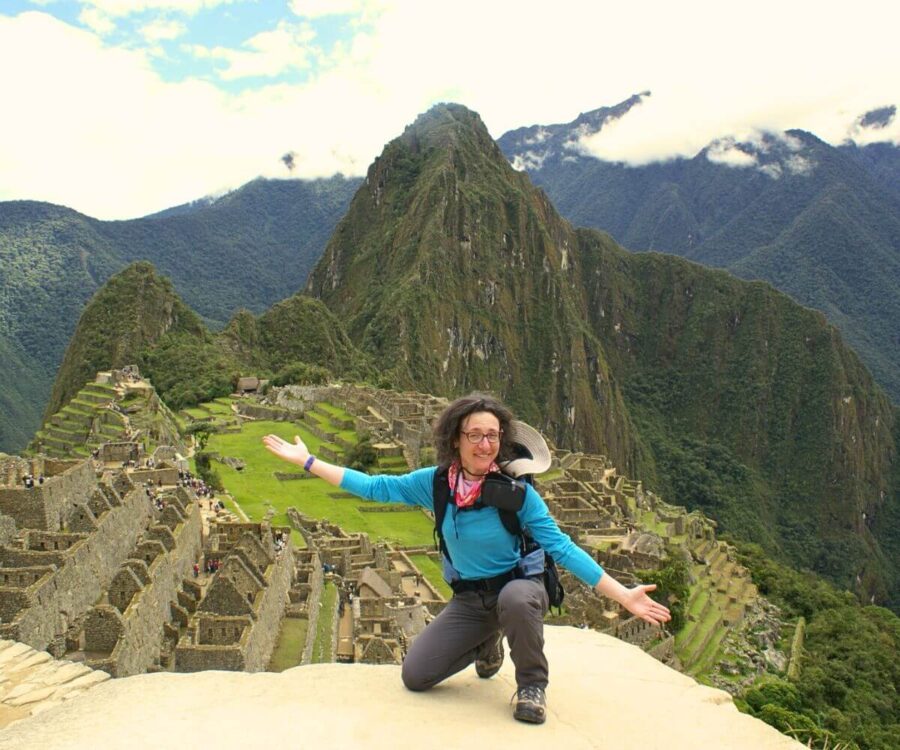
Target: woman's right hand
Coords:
[[295, 452]]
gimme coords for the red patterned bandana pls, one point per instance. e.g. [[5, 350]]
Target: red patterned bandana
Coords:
[[466, 492]]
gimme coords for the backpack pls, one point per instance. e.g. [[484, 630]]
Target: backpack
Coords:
[[506, 494]]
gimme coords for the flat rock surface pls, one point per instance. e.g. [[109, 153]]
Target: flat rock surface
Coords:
[[603, 694]]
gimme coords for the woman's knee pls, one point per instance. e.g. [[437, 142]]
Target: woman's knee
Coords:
[[414, 678]]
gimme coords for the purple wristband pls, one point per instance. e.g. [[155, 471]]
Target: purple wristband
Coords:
[[309, 462]]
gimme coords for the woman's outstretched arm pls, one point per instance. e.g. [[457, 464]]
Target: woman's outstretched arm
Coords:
[[298, 453]]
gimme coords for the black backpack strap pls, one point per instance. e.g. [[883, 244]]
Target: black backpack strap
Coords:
[[440, 493]]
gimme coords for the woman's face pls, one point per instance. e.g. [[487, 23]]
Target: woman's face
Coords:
[[476, 458]]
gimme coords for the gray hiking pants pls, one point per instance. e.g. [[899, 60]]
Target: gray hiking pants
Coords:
[[469, 623]]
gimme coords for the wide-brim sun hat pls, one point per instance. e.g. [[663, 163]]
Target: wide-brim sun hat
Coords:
[[530, 450]]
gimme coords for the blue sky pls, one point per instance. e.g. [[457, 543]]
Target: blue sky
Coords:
[[119, 108]]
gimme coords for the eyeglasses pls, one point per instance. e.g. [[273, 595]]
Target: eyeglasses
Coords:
[[476, 437]]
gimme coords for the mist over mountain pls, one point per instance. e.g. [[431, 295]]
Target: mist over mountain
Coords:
[[249, 248], [819, 222]]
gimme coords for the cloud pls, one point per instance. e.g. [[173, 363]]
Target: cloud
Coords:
[[726, 151], [122, 8], [267, 54], [101, 15], [162, 29], [95, 107], [324, 8], [97, 21], [529, 160]]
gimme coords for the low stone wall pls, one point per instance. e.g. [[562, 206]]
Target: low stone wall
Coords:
[[260, 411], [194, 658], [7, 529], [316, 587]]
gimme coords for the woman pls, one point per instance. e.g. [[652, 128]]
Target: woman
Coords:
[[492, 595]]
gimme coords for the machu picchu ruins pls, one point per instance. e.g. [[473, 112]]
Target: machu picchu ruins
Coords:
[[114, 556]]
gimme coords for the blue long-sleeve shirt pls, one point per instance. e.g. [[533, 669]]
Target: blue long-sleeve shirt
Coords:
[[479, 544]]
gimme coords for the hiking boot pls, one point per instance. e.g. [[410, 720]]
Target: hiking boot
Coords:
[[489, 661], [531, 704]]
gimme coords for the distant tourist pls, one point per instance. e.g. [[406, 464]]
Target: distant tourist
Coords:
[[495, 594]]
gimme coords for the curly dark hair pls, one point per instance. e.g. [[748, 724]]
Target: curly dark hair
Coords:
[[448, 425]]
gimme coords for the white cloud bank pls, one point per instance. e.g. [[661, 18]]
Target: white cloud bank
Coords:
[[94, 127]]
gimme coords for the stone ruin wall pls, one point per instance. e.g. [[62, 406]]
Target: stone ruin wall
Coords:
[[120, 452], [48, 506], [253, 650], [265, 630], [308, 590], [142, 624], [166, 475], [83, 571]]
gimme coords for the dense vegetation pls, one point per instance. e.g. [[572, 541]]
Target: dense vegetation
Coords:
[[249, 248], [819, 222], [846, 687]]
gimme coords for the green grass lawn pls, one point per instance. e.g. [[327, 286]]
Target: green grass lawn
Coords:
[[322, 648], [432, 572], [291, 642], [333, 410], [218, 408], [195, 412], [256, 486]]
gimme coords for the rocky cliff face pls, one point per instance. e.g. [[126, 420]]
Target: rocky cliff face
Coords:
[[456, 274]]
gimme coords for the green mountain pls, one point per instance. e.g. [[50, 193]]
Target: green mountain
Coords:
[[134, 311], [138, 318], [248, 249], [820, 223], [453, 272]]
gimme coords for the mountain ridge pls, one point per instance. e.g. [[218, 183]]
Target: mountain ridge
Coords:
[[249, 248], [821, 223]]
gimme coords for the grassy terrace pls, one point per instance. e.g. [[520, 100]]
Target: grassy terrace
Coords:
[[256, 486], [333, 410], [291, 641], [322, 648]]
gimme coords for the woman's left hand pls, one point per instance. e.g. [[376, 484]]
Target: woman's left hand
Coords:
[[295, 452], [637, 602]]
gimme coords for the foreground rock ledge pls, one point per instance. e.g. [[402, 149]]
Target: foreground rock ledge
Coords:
[[603, 694]]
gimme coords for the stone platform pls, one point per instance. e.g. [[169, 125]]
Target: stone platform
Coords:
[[603, 694]]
